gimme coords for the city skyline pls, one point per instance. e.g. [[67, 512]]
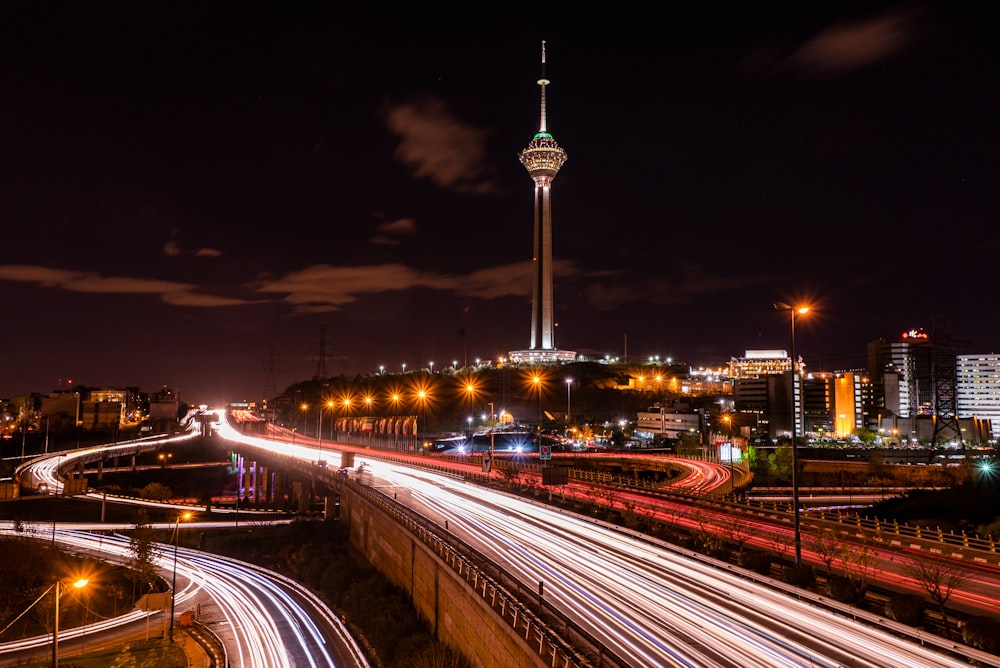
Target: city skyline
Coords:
[[196, 195]]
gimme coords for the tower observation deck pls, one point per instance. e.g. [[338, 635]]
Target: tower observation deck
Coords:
[[542, 158]]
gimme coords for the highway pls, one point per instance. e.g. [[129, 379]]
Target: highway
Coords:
[[647, 603], [262, 618]]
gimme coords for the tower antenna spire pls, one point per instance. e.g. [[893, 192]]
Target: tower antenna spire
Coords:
[[543, 82]]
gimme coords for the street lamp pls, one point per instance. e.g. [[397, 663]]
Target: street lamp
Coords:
[[569, 415], [395, 421], [537, 380], [319, 432], [79, 584], [347, 415], [729, 429], [421, 398], [173, 586], [802, 310], [368, 414], [470, 391], [493, 424]]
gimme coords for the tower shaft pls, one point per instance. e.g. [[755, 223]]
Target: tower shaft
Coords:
[[541, 295], [542, 158]]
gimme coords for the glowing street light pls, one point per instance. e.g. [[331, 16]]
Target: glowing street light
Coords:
[[347, 413], [801, 310], [79, 584], [537, 380], [729, 430], [173, 587], [395, 419], [422, 400], [569, 415]]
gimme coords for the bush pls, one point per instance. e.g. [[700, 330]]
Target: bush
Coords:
[[802, 576], [982, 633], [844, 590], [906, 609], [757, 561]]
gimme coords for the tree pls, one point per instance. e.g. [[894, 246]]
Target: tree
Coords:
[[859, 563], [156, 491], [142, 553], [780, 542], [780, 462], [738, 530], [866, 436], [827, 546], [688, 444], [938, 578]]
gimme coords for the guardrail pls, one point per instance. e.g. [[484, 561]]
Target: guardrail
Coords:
[[463, 560]]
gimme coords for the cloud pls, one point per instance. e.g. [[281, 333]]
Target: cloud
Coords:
[[169, 292], [842, 47], [324, 288], [438, 147], [850, 46], [690, 283], [315, 289], [173, 248], [389, 234]]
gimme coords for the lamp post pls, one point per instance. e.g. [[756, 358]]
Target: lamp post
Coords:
[[79, 584], [422, 399], [537, 380], [802, 310], [729, 428], [368, 415], [395, 421], [493, 424], [319, 432], [173, 586], [347, 415], [569, 415]]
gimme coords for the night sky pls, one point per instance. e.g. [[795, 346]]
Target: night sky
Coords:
[[208, 195]]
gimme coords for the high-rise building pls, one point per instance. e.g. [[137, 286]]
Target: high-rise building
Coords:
[[542, 158], [978, 381], [901, 373]]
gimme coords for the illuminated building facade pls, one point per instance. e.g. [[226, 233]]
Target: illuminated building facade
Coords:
[[760, 363], [901, 373], [978, 384], [542, 158]]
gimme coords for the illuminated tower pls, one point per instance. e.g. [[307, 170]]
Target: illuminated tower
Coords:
[[542, 158]]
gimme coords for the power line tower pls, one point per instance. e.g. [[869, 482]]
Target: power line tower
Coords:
[[321, 358], [945, 383]]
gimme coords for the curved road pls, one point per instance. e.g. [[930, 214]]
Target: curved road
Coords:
[[647, 603], [262, 618]]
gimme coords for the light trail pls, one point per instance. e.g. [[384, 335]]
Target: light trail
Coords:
[[263, 618], [648, 604]]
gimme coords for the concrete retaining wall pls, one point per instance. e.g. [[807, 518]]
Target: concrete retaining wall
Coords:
[[465, 609]]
